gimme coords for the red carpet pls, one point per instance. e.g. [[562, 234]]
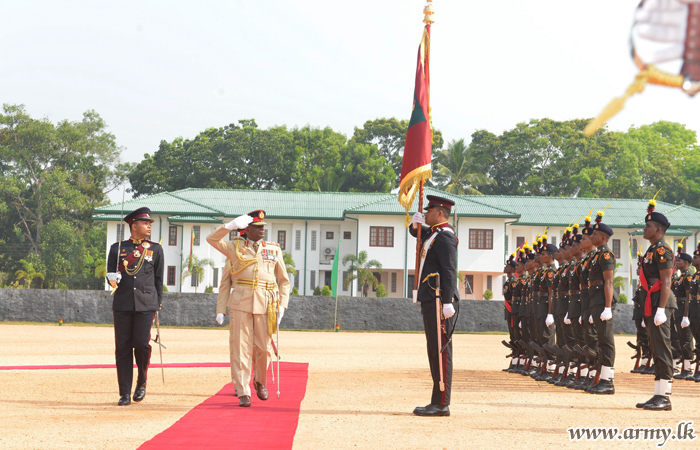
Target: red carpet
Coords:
[[219, 423], [112, 366]]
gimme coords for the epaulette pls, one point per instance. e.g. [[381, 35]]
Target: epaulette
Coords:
[[272, 243]]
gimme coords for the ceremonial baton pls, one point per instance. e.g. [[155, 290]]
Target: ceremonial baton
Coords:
[[160, 346]]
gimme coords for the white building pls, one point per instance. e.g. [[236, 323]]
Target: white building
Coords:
[[309, 225]]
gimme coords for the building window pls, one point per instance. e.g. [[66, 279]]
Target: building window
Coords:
[[519, 241], [282, 239], [393, 281], [194, 282], [297, 240], [120, 232], [215, 281], [347, 234], [469, 284], [480, 239], [329, 235], [172, 235], [196, 230], [345, 277], [634, 247], [312, 279], [296, 281], [232, 234], [171, 275], [489, 282], [313, 241], [266, 235], [616, 248], [634, 285], [381, 236], [552, 240]]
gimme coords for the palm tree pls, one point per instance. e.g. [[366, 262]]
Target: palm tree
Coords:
[[289, 264], [28, 275], [196, 269], [329, 181], [458, 171], [360, 269]]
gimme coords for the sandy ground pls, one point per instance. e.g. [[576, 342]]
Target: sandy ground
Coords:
[[362, 388]]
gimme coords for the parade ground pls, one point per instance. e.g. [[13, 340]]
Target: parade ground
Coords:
[[360, 392]]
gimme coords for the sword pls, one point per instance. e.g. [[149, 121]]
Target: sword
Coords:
[[274, 349], [119, 247], [278, 361], [160, 345]]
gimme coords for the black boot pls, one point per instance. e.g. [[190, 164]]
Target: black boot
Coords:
[[662, 403], [602, 387]]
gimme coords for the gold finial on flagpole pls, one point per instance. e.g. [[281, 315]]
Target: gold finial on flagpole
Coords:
[[428, 11]]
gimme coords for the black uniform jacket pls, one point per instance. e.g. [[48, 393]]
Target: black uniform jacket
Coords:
[[144, 290], [441, 258]]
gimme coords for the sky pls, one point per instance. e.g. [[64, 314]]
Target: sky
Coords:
[[158, 70]]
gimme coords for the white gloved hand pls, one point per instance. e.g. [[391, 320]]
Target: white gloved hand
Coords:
[[549, 320], [579, 320], [280, 313], [239, 222], [567, 320], [660, 317], [448, 310], [590, 319], [606, 314], [643, 324], [418, 219], [114, 277], [220, 319], [520, 324], [685, 322], [659, 30]]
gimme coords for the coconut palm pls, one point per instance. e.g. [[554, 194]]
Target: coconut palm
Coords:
[[360, 269], [458, 171], [196, 269], [28, 275]]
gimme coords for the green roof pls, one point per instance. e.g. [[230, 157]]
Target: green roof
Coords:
[[195, 219], [464, 206], [669, 232], [163, 203]]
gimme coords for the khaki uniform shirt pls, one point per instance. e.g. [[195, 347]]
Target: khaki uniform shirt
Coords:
[[256, 277]]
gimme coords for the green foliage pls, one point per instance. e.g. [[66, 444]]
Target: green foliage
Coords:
[[209, 289], [295, 291], [326, 291], [165, 288], [488, 294], [381, 291], [51, 179], [195, 267], [617, 280], [317, 291], [303, 159], [27, 276], [459, 170], [622, 298], [289, 263], [361, 269]]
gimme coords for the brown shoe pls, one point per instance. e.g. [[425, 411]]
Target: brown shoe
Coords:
[[261, 390], [244, 400]]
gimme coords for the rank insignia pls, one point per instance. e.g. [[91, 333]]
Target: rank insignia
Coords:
[[662, 259], [145, 245], [661, 251], [137, 253], [606, 256]]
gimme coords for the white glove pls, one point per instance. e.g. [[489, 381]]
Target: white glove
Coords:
[[280, 313], [220, 319], [448, 310], [417, 219], [549, 320], [114, 276], [579, 320], [520, 324], [643, 324], [590, 319], [567, 320], [239, 222], [606, 314], [685, 322], [659, 31], [660, 317]]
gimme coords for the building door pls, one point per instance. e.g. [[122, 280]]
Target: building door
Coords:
[[327, 278], [409, 288]]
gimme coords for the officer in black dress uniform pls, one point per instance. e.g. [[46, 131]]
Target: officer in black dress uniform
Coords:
[[659, 306], [439, 255], [137, 274]]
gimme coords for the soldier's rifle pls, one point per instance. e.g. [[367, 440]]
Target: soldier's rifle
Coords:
[[637, 354]]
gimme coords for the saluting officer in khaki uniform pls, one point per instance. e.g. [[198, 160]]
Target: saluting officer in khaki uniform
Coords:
[[258, 300]]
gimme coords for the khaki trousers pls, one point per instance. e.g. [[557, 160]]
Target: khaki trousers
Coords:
[[248, 342]]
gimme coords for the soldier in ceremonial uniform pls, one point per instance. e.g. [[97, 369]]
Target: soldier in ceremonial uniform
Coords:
[[638, 317], [135, 269], [510, 311], [682, 322], [659, 306], [547, 300], [438, 256], [603, 301], [694, 311], [258, 301]]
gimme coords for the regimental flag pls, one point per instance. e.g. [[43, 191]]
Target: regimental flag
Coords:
[[418, 151]]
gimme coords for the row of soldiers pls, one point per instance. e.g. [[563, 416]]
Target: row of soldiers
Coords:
[[560, 317], [685, 324]]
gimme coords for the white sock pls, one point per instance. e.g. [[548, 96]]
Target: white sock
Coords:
[[573, 370], [643, 362], [686, 365], [665, 387], [551, 367], [607, 373], [657, 388], [584, 372]]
